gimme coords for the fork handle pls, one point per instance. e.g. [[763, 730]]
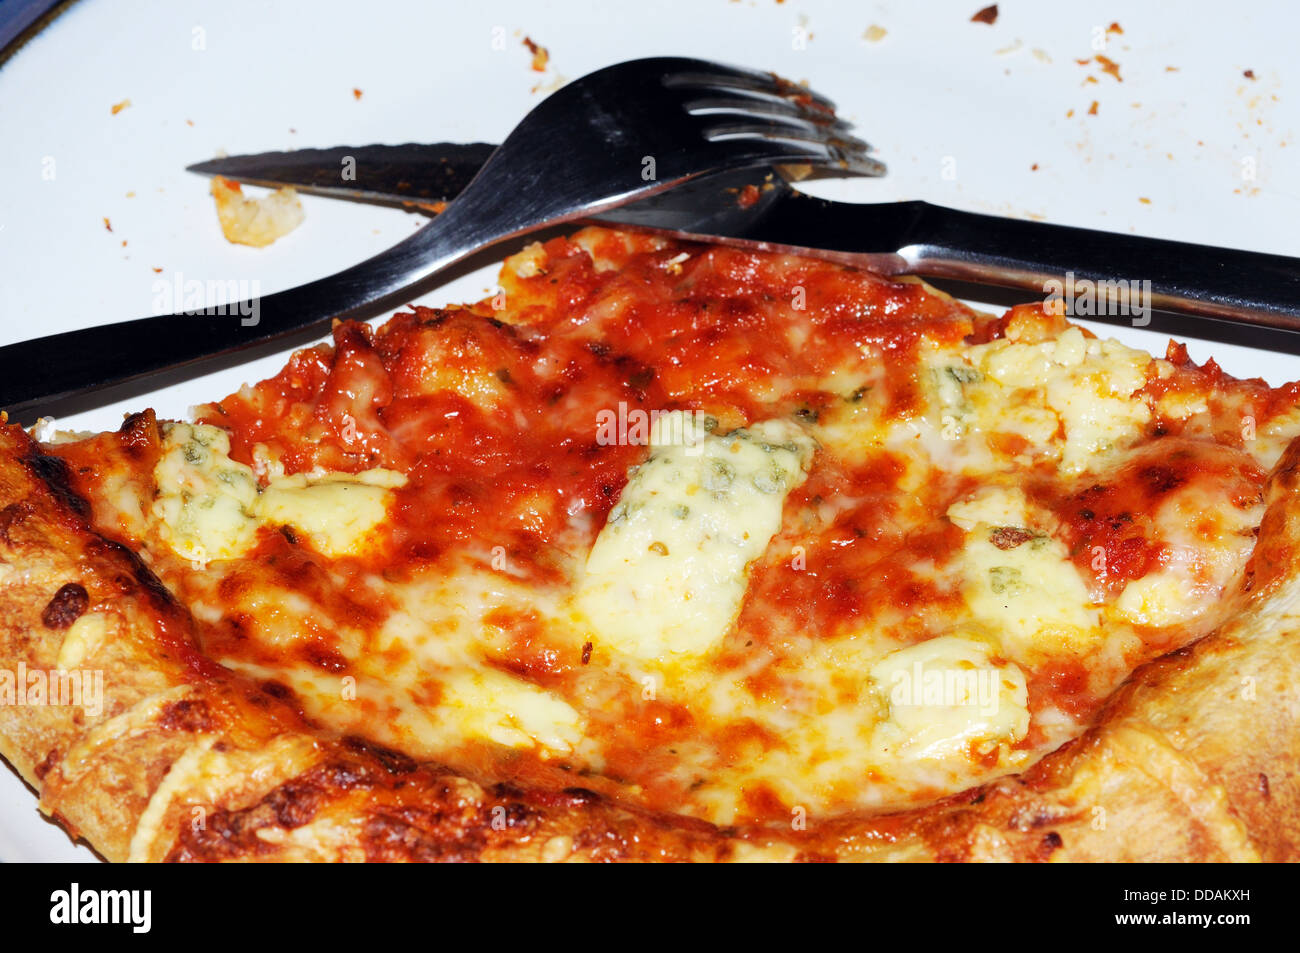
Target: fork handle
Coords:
[[1224, 283]]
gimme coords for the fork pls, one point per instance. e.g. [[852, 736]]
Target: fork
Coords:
[[614, 136]]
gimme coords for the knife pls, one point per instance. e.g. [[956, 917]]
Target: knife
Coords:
[[1097, 275]]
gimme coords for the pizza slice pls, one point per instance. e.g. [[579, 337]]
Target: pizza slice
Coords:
[[676, 552]]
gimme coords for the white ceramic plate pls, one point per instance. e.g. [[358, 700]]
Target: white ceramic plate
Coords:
[[987, 118]]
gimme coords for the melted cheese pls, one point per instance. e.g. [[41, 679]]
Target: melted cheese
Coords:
[[948, 699], [1273, 436], [1088, 383], [1205, 545], [337, 510], [255, 221], [493, 705], [667, 574], [1025, 589], [421, 682], [1071, 399], [84, 636], [210, 506], [993, 506], [1164, 597]]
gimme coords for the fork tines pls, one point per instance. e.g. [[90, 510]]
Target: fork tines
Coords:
[[747, 104]]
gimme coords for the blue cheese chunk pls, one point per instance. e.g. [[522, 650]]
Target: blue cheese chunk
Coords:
[[210, 507], [1023, 587], [205, 499], [667, 574]]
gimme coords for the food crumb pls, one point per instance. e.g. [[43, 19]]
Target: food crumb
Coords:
[[356, 93], [988, 15], [1249, 74], [1041, 55], [748, 196], [118, 107], [1034, 167], [551, 85], [108, 226], [157, 271], [130, 195], [1108, 65], [189, 122], [1144, 200], [1115, 28], [874, 33], [256, 222], [1092, 110], [541, 56], [1171, 69], [1069, 113]]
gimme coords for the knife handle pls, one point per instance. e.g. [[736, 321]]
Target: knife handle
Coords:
[[1119, 278]]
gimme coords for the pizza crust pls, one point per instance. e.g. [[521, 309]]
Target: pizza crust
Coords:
[[1193, 759]]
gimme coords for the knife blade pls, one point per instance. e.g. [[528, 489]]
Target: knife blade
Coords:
[[1247, 296], [412, 173]]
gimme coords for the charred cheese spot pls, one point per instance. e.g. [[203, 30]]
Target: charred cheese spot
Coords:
[[67, 606]]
